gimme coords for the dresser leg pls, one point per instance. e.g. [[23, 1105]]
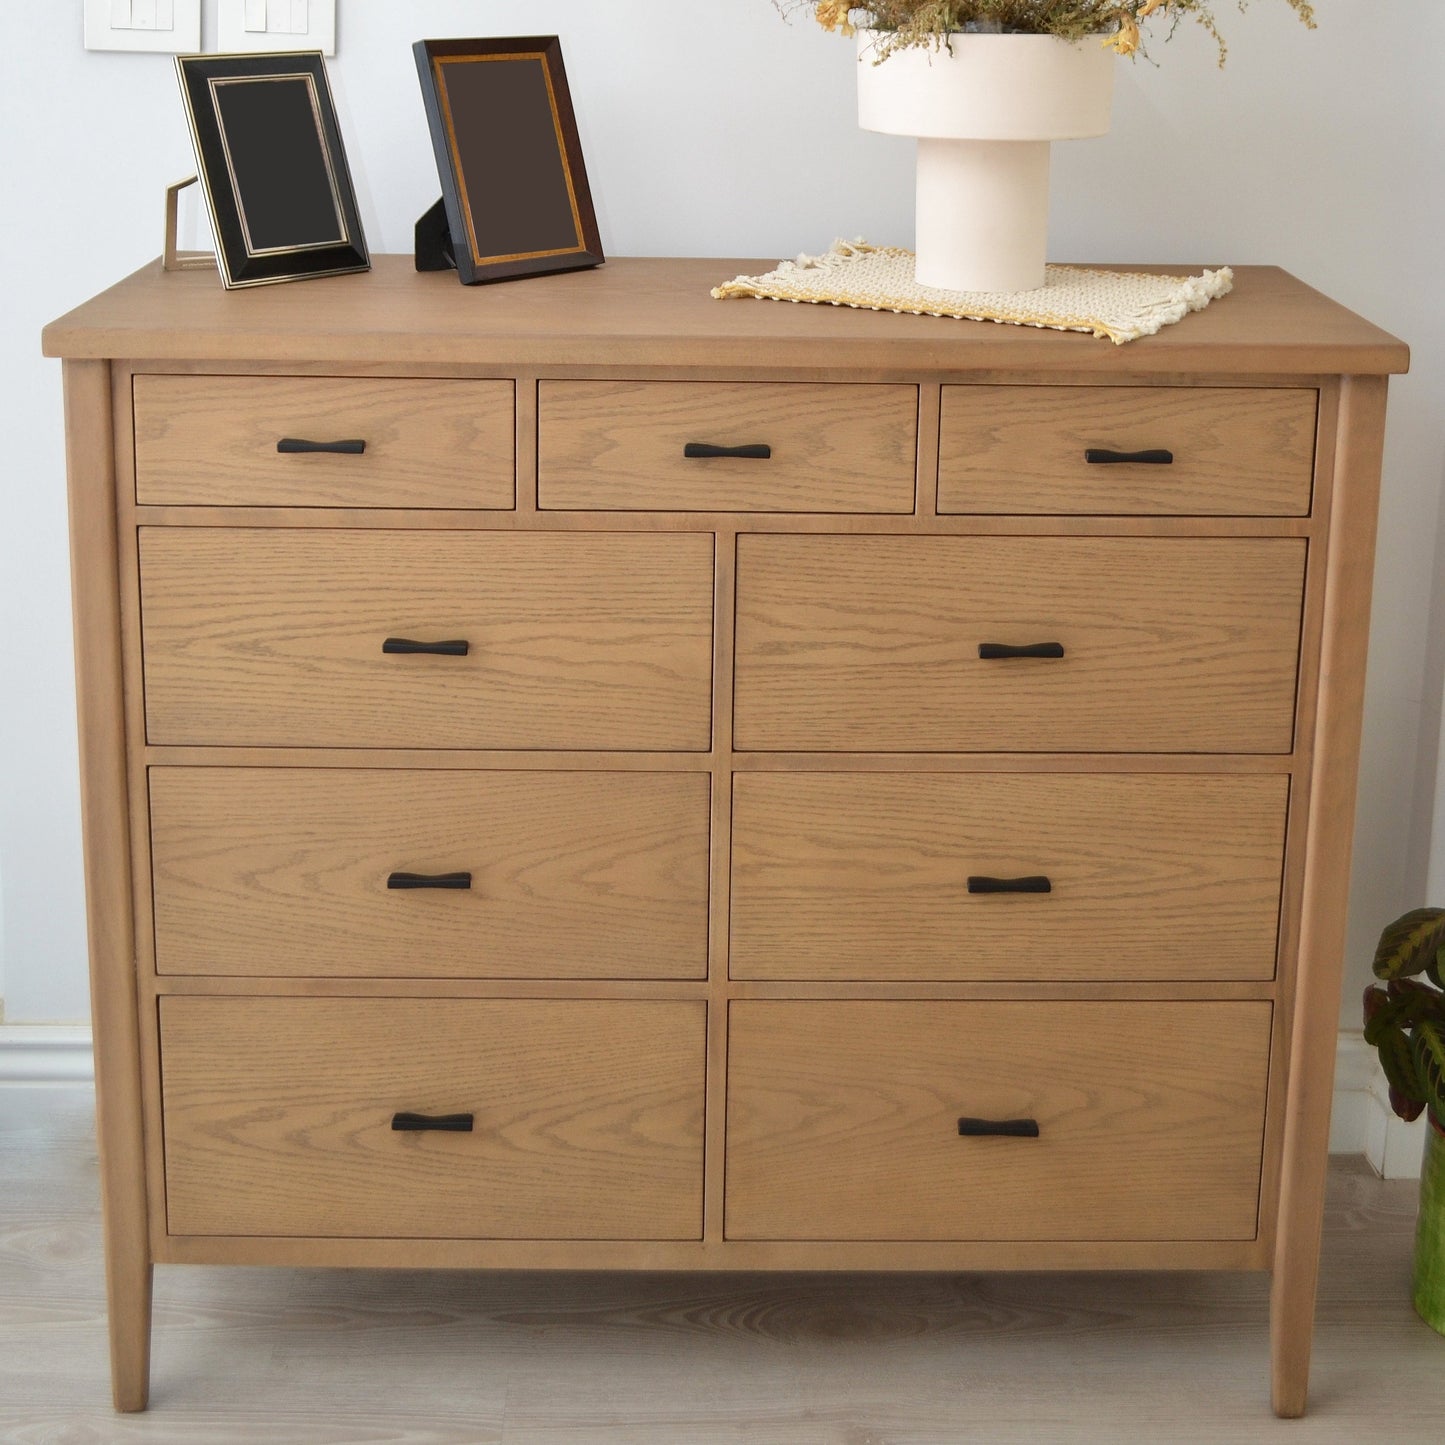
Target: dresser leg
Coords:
[[1301, 1215], [1320, 955], [124, 1212], [128, 1288], [1291, 1331], [105, 816]]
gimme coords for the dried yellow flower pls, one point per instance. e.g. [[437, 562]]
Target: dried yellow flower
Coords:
[[1126, 39], [833, 15], [929, 23]]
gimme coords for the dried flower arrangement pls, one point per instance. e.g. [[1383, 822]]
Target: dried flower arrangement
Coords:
[[929, 23]]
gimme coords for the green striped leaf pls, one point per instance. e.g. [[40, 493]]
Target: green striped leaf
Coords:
[[1421, 1002], [1397, 1058], [1410, 944], [1375, 999], [1386, 1013], [1429, 1054]]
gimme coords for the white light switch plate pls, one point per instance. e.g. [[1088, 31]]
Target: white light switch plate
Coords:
[[246, 25], [172, 26]]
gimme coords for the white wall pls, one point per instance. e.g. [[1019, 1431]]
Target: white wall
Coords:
[[715, 129]]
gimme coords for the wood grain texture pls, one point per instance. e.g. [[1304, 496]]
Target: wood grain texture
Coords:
[[612, 634], [260, 872], [844, 876], [274, 637], [723, 1257], [1238, 451], [110, 921], [715, 1142], [842, 1120], [800, 523], [658, 313], [143, 963], [1298, 857], [871, 643], [588, 1117], [451, 1357], [211, 441], [1315, 1018], [610, 445], [295, 986]]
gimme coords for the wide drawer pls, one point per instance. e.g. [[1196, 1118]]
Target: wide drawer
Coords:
[[846, 1120], [1232, 451], [899, 876], [585, 1117], [350, 873], [619, 445], [213, 441], [270, 636], [873, 643]]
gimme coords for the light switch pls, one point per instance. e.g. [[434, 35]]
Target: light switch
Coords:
[[244, 25], [173, 26]]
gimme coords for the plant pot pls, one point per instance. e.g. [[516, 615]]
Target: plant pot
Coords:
[[1430, 1233], [985, 111]]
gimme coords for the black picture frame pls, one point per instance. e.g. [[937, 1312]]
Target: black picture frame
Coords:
[[514, 184], [272, 166]]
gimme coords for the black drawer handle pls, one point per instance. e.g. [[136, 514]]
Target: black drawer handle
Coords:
[[1154, 456], [440, 649], [429, 880], [350, 448], [991, 650], [1002, 1128], [759, 451], [439, 1123], [1033, 884]]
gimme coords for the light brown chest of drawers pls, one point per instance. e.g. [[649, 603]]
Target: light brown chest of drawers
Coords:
[[889, 839]]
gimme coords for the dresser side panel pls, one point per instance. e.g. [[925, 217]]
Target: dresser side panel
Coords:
[[90, 461], [1335, 769]]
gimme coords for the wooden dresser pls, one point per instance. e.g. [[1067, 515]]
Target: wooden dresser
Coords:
[[581, 775]]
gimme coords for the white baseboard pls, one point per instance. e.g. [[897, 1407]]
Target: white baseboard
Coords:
[[1361, 1122], [1350, 1118], [1395, 1149], [45, 1054]]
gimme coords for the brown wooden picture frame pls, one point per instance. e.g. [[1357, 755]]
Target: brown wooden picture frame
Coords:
[[514, 185]]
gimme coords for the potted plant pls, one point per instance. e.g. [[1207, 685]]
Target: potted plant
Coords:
[[1405, 1021], [986, 86]]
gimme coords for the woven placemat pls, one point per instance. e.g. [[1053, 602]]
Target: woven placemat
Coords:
[[1120, 305]]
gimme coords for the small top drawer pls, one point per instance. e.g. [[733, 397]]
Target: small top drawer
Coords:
[[797, 447], [1216, 451], [218, 441]]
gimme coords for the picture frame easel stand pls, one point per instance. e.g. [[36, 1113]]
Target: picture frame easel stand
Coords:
[[172, 258]]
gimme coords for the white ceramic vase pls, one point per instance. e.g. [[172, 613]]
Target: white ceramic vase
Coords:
[[985, 111]]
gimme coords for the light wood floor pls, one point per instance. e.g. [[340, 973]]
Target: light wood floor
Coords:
[[282, 1356]]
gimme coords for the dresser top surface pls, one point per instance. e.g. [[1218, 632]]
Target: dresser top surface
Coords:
[[642, 311]]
